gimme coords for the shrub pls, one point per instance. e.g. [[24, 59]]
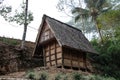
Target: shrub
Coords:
[[65, 77], [108, 60], [43, 76], [77, 76], [31, 75], [58, 76], [109, 78], [97, 77]]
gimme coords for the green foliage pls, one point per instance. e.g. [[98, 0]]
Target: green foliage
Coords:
[[58, 76], [43, 76], [98, 77], [31, 75], [117, 33], [110, 19], [61, 76], [93, 9], [5, 10], [65, 77], [9, 41], [19, 16], [109, 57], [110, 25], [77, 76]]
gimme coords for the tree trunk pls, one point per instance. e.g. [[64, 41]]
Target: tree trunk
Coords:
[[25, 27], [98, 30], [24, 36]]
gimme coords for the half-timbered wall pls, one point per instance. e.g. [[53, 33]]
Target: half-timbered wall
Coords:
[[73, 58], [53, 54]]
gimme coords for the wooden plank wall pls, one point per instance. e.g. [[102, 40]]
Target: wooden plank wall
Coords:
[[73, 58], [53, 54]]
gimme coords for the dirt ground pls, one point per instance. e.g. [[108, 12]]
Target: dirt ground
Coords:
[[10, 52]]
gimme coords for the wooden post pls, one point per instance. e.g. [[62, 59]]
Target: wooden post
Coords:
[[50, 55], [84, 58], [62, 52], [44, 57], [78, 55], [55, 55], [70, 58]]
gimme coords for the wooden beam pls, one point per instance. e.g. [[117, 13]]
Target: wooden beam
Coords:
[[84, 58], [55, 54], [49, 54], [44, 56], [62, 52], [79, 61], [70, 58]]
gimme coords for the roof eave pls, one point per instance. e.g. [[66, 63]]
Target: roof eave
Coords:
[[38, 35], [92, 52]]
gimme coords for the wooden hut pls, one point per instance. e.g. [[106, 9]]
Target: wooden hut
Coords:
[[59, 44]]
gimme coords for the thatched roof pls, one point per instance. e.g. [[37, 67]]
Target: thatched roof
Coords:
[[68, 36]]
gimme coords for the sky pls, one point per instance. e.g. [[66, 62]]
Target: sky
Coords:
[[38, 7]]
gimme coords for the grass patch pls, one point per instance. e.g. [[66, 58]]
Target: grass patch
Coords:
[[44, 75], [9, 41]]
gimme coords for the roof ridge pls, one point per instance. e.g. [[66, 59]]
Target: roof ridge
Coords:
[[70, 26]]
